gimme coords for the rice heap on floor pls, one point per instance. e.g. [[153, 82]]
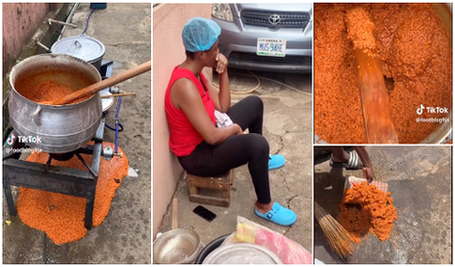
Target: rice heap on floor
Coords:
[[62, 216], [365, 208]]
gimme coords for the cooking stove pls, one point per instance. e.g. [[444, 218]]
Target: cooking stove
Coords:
[[57, 179]]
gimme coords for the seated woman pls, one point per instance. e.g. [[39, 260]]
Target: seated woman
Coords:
[[204, 149]]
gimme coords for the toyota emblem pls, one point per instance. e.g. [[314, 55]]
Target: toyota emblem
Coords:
[[274, 19]]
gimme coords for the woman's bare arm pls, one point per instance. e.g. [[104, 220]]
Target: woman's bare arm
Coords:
[[185, 96], [221, 97]]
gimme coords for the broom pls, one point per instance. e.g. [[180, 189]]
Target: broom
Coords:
[[335, 233]]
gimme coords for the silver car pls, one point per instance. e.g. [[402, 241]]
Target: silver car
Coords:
[[266, 37]]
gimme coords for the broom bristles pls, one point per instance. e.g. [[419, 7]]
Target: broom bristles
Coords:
[[335, 233]]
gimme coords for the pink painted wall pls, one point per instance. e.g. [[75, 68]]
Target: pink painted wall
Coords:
[[168, 52], [20, 21]]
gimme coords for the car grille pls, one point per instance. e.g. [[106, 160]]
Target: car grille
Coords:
[[287, 60], [275, 19]]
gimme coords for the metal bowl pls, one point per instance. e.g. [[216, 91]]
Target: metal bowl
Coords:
[[176, 246]]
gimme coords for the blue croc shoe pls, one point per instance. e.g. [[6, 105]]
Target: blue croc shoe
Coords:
[[276, 161], [279, 215]]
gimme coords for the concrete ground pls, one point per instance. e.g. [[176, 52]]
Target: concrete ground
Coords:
[[287, 127], [419, 178], [125, 234]]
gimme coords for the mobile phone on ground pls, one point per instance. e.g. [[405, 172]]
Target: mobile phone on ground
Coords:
[[204, 213]]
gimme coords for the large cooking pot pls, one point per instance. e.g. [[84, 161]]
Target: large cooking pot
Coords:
[[83, 47], [56, 129], [211, 247]]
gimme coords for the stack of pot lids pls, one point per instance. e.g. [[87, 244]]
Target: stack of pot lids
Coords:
[[86, 48], [241, 253]]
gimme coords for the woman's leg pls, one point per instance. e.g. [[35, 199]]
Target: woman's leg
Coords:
[[248, 113], [208, 160]]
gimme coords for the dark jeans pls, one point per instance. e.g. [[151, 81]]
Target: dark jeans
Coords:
[[252, 148]]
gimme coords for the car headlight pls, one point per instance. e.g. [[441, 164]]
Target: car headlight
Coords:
[[222, 11]]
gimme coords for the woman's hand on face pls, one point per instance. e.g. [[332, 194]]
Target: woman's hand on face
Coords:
[[221, 63]]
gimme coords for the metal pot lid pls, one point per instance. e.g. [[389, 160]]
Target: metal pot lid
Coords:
[[86, 48], [106, 103], [241, 253]]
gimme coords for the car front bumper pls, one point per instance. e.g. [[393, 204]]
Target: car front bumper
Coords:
[[239, 45]]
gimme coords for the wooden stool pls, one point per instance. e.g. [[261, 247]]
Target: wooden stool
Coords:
[[214, 185]]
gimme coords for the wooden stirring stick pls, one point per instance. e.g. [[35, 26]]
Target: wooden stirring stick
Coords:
[[174, 214], [121, 94], [377, 115], [89, 90]]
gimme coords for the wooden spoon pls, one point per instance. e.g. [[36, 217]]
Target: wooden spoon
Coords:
[[374, 97], [92, 89], [377, 116]]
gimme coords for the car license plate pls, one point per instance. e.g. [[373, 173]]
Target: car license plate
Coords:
[[271, 47]]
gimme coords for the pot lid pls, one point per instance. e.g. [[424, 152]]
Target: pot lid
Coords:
[[107, 102], [241, 253], [86, 48]]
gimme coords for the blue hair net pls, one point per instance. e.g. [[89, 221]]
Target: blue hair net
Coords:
[[200, 34]]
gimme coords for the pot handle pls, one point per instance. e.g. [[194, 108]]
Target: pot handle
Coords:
[[36, 115]]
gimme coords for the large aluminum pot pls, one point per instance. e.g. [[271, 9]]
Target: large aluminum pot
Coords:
[[83, 47], [56, 129], [242, 253]]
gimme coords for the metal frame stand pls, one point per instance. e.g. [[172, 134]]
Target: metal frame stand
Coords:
[[75, 182]]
